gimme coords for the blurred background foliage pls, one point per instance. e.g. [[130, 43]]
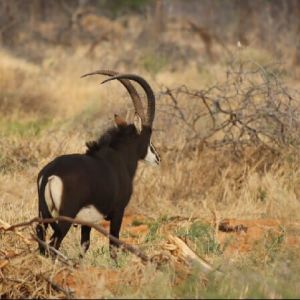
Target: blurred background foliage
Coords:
[[272, 25]]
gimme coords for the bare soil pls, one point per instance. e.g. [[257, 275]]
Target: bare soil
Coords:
[[236, 236]]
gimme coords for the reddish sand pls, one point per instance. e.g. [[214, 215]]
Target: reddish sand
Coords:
[[240, 236], [243, 235]]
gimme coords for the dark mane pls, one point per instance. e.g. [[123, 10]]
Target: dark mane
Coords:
[[112, 137]]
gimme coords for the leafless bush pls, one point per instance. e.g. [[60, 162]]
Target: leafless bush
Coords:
[[252, 107]]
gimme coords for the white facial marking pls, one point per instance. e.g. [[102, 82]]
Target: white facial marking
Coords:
[[151, 156], [53, 194], [89, 214]]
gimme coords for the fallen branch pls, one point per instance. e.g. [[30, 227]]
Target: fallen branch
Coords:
[[6, 225], [97, 227], [190, 256]]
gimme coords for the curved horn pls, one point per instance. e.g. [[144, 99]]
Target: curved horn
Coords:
[[137, 103], [148, 90]]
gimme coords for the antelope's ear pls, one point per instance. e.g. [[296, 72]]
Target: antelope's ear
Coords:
[[119, 121], [138, 123]]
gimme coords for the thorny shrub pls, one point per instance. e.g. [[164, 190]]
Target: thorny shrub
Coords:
[[252, 107]]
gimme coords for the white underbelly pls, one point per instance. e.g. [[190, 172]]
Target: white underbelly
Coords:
[[89, 214]]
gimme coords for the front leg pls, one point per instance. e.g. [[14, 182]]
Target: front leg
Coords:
[[115, 226]]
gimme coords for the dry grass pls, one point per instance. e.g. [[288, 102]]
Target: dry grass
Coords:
[[47, 110]]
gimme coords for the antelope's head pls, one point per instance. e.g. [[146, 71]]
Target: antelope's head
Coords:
[[143, 124]]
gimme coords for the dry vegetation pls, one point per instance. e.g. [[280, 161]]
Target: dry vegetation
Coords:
[[228, 186]]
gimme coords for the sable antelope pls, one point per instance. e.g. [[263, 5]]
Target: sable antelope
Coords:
[[98, 183]]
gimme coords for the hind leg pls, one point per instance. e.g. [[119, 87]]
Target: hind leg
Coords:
[[41, 230], [41, 234], [59, 234], [62, 227], [85, 238]]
